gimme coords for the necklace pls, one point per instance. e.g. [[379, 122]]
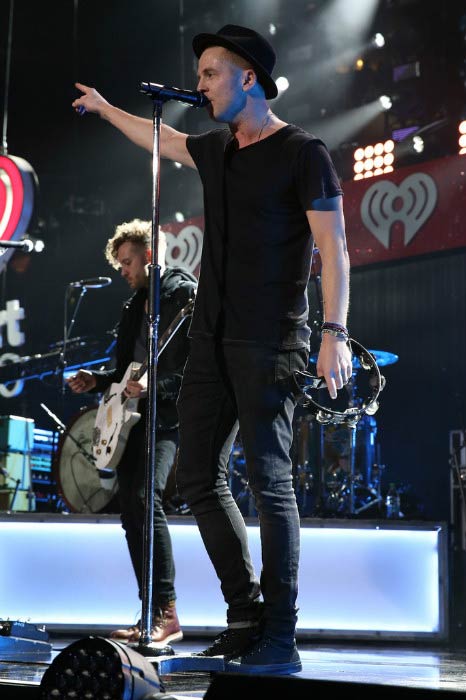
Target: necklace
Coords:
[[264, 124]]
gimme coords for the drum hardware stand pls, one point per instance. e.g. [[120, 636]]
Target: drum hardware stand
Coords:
[[352, 427], [458, 479], [16, 488], [305, 383], [245, 491], [61, 428]]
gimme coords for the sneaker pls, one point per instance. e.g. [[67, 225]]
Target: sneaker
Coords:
[[232, 641], [266, 656]]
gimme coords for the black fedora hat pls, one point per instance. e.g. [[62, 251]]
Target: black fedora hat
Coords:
[[248, 44]]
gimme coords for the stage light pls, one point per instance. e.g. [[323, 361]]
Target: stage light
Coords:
[[373, 160], [179, 216], [462, 137], [418, 144], [378, 40], [359, 154], [272, 29], [95, 667], [282, 84], [385, 102]]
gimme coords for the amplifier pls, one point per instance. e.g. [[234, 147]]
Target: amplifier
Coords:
[[24, 501], [16, 444]]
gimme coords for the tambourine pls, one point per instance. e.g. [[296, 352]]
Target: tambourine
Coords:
[[309, 384]]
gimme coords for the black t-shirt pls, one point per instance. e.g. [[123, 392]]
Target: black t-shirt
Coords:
[[257, 247]]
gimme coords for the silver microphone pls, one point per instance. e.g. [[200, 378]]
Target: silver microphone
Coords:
[[165, 93], [93, 283]]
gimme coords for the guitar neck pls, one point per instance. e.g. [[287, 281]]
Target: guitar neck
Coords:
[[174, 325], [136, 376], [169, 332]]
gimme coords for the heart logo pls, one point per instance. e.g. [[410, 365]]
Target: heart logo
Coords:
[[411, 203], [18, 183], [184, 248]]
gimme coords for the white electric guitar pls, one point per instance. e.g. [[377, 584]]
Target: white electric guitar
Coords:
[[117, 413]]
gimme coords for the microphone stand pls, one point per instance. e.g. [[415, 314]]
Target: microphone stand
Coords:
[[67, 333], [152, 362], [159, 95]]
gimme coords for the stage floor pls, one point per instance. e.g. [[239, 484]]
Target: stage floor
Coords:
[[392, 669]]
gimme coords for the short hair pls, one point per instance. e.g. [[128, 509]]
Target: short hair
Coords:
[[139, 233], [240, 62]]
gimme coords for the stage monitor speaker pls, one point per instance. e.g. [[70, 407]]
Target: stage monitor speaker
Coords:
[[237, 686]]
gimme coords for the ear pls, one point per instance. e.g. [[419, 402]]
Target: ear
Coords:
[[249, 79], [149, 256]]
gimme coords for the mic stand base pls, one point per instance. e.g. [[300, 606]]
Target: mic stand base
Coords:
[[151, 649], [185, 663]]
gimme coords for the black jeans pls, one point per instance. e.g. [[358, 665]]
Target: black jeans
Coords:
[[226, 387], [131, 487]]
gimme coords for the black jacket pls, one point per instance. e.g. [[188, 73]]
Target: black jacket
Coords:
[[177, 287]]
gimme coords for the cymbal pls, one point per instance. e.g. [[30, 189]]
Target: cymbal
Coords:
[[382, 357]]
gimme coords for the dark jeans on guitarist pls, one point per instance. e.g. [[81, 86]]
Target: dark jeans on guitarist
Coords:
[[131, 486]]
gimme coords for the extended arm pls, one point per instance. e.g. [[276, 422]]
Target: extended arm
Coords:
[[137, 129], [328, 228]]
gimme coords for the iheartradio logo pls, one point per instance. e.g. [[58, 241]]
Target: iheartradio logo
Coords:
[[184, 248], [17, 189], [411, 203]]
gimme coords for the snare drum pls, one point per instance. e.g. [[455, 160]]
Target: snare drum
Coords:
[[77, 478]]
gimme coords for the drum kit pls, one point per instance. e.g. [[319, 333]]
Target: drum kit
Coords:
[[79, 484], [337, 469], [335, 454], [336, 462]]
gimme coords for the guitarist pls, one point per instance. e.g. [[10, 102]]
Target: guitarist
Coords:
[[129, 251]]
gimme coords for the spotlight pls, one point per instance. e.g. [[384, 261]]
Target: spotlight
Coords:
[[462, 137], [385, 102], [378, 40], [282, 84], [373, 160], [418, 144], [95, 667], [272, 29], [179, 216]]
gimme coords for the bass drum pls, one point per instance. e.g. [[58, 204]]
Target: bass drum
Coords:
[[78, 481]]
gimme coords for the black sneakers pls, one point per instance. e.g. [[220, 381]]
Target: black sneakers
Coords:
[[232, 642], [266, 656]]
